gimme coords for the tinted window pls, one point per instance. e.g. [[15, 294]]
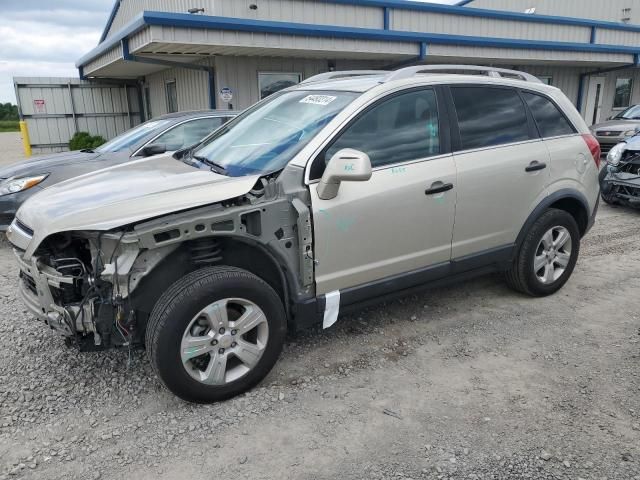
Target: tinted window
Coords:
[[189, 133], [489, 116], [402, 128], [551, 122]]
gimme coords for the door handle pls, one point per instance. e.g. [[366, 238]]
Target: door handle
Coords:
[[535, 166], [438, 187]]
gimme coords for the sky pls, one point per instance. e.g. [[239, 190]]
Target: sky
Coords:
[[44, 38]]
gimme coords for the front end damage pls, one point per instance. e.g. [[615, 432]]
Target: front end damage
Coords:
[[98, 289], [620, 180], [80, 285]]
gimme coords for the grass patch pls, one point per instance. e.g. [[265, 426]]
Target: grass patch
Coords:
[[9, 126]]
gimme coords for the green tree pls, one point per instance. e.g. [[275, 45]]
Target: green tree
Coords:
[[8, 111]]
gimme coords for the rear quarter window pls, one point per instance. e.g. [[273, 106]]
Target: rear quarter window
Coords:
[[550, 120], [489, 116]]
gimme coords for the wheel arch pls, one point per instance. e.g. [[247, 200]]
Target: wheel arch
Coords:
[[239, 252], [571, 201]]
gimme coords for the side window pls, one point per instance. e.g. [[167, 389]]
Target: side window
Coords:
[[405, 127], [189, 133], [551, 122], [489, 116]]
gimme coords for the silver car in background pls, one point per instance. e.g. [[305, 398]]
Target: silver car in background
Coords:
[[617, 128]]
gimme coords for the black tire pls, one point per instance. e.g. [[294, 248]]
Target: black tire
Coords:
[[606, 198], [521, 275], [182, 301]]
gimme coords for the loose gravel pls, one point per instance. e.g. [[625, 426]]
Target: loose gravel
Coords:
[[11, 148], [471, 381]]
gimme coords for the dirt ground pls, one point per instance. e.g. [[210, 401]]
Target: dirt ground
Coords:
[[468, 382], [11, 149]]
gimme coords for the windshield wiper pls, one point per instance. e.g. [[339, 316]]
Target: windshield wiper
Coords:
[[214, 166], [87, 150]]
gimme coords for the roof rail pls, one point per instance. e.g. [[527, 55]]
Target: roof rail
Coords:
[[409, 72], [344, 74]]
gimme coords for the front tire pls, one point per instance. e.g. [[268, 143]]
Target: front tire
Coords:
[[606, 197], [215, 333], [547, 255]]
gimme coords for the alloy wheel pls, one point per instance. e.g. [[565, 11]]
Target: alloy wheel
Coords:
[[552, 255], [224, 341]]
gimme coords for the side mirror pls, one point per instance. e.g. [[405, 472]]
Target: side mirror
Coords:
[[153, 149], [347, 165]]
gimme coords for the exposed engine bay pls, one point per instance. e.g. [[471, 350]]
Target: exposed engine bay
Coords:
[[99, 288]]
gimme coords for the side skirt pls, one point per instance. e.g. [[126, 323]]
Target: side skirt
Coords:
[[313, 311]]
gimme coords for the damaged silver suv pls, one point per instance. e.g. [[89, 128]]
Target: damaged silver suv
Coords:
[[349, 187]]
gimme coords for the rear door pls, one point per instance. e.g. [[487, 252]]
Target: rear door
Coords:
[[502, 164], [390, 224]]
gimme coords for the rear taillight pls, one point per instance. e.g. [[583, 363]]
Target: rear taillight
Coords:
[[594, 147]]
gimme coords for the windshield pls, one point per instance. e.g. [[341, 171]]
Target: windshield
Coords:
[[266, 138], [631, 113], [133, 136]]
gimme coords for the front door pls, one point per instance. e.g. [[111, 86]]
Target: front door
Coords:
[[390, 224], [595, 92]]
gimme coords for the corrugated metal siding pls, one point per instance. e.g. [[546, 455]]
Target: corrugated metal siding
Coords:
[[108, 57], [241, 74], [220, 39], [192, 87], [411, 21], [139, 39], [464, 53], [609, 10], [617, 37], [99, 109], [304, 11]]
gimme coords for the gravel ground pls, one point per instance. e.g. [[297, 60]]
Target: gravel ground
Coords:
[[468, 382], [10, 148]]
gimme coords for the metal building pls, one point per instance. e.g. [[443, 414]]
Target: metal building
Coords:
[[190, 54]]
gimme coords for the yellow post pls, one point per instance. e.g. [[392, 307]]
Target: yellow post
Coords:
[[26, 142]]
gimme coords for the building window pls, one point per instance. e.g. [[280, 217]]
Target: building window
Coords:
[[546, 79], [271, 82], [147, 101], [172, 96], [622, 97]]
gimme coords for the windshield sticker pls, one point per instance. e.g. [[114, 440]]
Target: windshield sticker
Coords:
[[318, 99]]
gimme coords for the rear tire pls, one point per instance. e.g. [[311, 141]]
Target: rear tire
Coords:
[[547, 255], [215, 333]]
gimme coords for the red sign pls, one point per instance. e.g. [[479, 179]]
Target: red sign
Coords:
[[39, 106]]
